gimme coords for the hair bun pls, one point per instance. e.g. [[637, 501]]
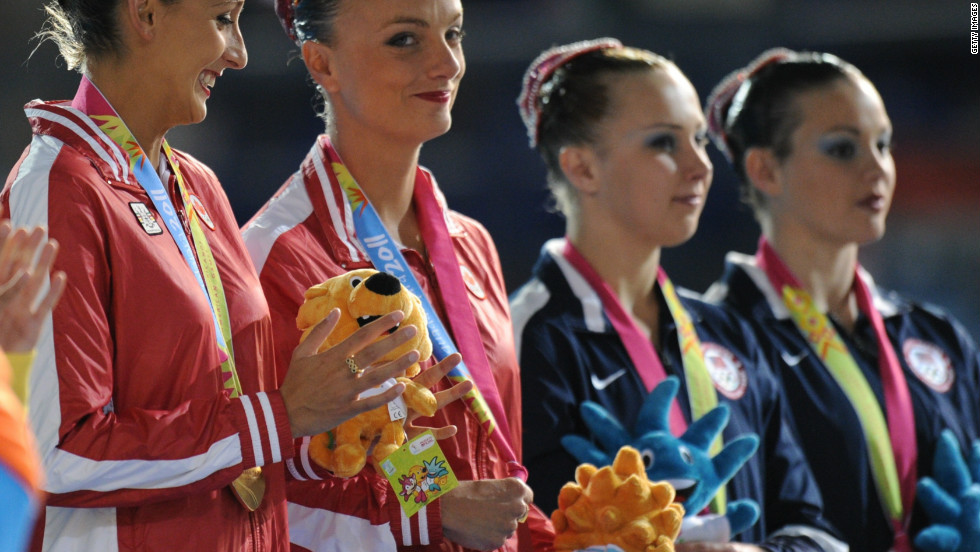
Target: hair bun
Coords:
[[542, 68], [719, 105], [286, 10]]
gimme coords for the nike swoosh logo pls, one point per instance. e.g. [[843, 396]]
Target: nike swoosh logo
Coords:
[[793, 360], [603, 383]]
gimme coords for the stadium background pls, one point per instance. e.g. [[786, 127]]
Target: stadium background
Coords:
[[261, 122]]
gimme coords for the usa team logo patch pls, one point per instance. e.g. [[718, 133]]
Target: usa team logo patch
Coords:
[[726, 371], [930, 364], [472, 283], [146, 219]]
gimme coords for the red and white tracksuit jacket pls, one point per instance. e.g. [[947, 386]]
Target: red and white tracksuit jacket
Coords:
[[305, 235], [138, 442]]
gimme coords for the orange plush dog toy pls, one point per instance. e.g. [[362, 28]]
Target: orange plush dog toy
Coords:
[[362, 296], [617, 505]]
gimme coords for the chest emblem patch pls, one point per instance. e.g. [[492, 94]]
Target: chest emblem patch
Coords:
[[929, 363], [472, 283], [146, 219], [202, 213], [726, 371]]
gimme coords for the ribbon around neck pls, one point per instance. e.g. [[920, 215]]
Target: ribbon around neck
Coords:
[[90, 101], [892, 446], [484, 399], [701, 392]]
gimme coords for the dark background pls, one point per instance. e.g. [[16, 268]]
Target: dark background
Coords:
[[261, 121]]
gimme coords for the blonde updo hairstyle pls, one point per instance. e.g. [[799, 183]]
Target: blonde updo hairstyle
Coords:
[[84, 30]]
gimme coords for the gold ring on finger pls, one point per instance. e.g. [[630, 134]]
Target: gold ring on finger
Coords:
[[352, 364]]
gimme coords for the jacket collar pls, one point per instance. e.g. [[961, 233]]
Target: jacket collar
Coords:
[[73, 127], [593, 314], [334, 213], [774, 299]]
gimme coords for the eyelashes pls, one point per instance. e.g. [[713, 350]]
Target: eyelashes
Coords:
[[846, 149], [668, 141], [662, 142], [407, 39]]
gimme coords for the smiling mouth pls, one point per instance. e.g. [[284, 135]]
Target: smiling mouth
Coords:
[[440, 96], [692, 200], [683, 489], [207, 80], [367, 319]]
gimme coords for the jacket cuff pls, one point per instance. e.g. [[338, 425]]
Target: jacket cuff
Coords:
[[301, 466], [418, 532], [266, 436]]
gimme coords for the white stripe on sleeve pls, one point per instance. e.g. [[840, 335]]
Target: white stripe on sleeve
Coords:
[[423, 520], [406, 528], [253, 430], [270, 425], [67, 472], [325, 531], [304, 457]]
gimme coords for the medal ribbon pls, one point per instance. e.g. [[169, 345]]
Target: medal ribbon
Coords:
[[892, 447], [701, 392], [249, 487], [484, 399], [89, 100], [212, 279]]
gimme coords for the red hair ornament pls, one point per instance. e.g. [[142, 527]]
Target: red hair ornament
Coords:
[[541, 70]]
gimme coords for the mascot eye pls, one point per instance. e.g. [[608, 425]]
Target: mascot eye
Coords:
[[686, 456], [647, 456], [356, 281]]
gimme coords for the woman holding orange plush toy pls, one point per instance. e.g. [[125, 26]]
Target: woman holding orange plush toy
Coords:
[[388, 73]]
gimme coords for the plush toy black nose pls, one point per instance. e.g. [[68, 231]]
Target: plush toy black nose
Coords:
[[383, 283]]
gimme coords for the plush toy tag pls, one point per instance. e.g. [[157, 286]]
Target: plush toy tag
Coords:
[[396, 408], [419, 473]]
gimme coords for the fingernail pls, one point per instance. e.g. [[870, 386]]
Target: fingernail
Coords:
[[413, 356], [410, 331]]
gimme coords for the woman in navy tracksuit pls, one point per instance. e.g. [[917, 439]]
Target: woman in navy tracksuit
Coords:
[[622, 133], [809, 137]]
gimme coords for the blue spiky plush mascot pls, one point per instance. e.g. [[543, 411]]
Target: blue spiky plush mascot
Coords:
[[684, 462], [952, 499]]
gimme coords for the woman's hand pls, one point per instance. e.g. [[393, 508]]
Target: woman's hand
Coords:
[[484, 514], [430, 377], [321, 390], [23, 308]]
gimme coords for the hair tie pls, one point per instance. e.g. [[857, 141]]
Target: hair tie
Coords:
[[286, 10], [726, 101], [542, 68]]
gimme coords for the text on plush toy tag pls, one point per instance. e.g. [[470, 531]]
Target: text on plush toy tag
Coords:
[[419, 473], [396, 408]]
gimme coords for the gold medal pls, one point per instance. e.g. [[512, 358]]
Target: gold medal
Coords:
[[249, 488]]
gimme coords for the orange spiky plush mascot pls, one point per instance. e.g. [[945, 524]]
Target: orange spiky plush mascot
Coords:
[[362, 296], [617, 505]]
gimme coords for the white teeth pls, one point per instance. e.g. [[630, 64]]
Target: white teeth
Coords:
[[207, 79]]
